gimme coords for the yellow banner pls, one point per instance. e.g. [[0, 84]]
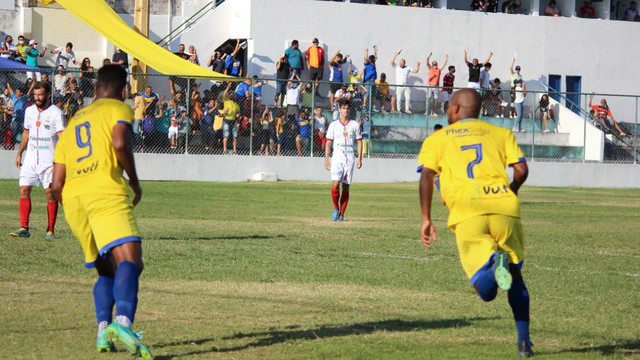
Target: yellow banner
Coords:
[[99, 15]]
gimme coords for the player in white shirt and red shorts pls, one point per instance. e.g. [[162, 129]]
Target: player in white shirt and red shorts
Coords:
[[342, 134], [43, 122]]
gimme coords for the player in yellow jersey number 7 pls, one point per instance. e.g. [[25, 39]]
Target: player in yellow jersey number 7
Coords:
[[471, 157], [87, 174]]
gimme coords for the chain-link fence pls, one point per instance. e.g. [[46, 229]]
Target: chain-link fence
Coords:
[[266, 117]]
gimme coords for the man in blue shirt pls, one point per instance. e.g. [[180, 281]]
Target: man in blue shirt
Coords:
[[295, 58], [304, 132], [19, 99], [233, 65]]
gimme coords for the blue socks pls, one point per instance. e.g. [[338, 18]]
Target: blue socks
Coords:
[[125, 289], [519, 302], [103, 298], [485, 284]]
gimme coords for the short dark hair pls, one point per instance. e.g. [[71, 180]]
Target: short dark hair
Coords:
[[294, 42], [437, 127], [69, 44], [343, 101], [451, 67], [42, 85], [112, 78]]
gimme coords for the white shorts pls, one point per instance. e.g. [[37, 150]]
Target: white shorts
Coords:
[[173, 131], [34, 175], [38, 75], [446, 96], [433, 93], [342, 171], [474, 85]]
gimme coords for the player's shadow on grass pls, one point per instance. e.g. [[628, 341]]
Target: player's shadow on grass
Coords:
[[619, 348], [232, 237], [294, 333]]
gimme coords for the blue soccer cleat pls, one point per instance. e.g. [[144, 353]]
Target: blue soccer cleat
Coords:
[[22, 233], [501, 270], [341, 218], [49, 235], [130, 339], [334, 214], [103, 344]]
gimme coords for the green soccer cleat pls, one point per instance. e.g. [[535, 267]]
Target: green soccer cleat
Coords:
[[22, 233], [103, 344], [130, 339], [501, 270], [49, 235]]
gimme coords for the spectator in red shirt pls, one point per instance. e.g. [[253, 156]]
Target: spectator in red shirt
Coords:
[[587, 11], [603, 113]]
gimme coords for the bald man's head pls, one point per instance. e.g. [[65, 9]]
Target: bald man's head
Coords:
[[464, 104]]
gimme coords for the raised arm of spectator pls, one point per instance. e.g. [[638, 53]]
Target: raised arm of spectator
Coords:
[[393, 59], [429, 61], [55, 51], [417, 67], [366, 56], [590, 100], [42, 52], [334, 58], [466, 60], [10, 88], [30, 90], [225, 94], [513, 63], [375, 52], [446, 60], [237, 48], [488, 59]]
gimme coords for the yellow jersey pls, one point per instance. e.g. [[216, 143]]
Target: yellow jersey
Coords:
[[87, 151], [471, 157]]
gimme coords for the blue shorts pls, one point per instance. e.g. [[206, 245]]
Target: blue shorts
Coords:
[[229, 127]]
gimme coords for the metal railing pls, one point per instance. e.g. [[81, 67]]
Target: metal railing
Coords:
[[263, 123]]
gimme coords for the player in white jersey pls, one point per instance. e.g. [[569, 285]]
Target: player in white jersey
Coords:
[[43, 122], [342, 134]]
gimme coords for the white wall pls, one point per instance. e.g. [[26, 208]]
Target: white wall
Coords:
[[240, 168]]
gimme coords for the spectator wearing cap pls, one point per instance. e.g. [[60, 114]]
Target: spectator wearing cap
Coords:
[[315, 62], [295, 57], [587, 11], [515, 74], [65, 55], [32, 55]]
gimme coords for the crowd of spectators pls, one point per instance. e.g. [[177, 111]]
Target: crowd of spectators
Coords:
[[226, 111], [587, 11]]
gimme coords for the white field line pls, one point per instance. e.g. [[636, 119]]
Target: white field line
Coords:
[[403, 257]]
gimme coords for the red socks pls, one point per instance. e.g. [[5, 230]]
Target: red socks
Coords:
[[335, 195], [24, 209], [344, 200], [52, 212]]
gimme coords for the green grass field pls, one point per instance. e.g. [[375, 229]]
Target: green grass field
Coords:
[[258, 271]]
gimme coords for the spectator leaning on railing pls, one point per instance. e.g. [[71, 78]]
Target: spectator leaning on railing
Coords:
[[65, 55]]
